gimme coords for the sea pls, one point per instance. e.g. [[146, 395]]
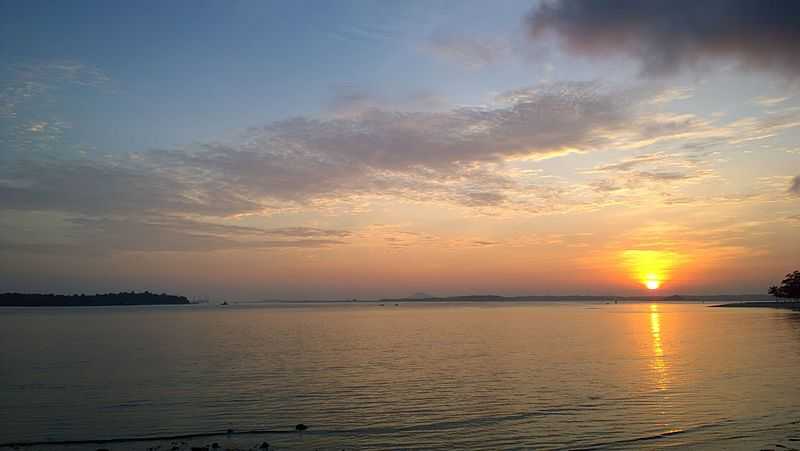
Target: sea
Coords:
[[411, 375]]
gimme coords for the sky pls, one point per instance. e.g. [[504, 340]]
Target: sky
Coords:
[[367, 149]]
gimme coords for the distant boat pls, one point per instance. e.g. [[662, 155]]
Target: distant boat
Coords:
[[224, 303]]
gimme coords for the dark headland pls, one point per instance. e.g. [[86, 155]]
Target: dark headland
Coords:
[[92, 300]]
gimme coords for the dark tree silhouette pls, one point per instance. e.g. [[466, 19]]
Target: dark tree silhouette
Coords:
[[789, 287], [60, 300]]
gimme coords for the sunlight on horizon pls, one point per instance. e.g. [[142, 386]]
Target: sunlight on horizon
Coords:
[[652, 268]]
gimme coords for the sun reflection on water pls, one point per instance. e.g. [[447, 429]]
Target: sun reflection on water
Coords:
[[658, 364]]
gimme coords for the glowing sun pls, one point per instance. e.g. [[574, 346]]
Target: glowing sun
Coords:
[[652, 284], [652, 268]]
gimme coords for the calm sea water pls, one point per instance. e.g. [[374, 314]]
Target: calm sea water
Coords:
[[478, 376]]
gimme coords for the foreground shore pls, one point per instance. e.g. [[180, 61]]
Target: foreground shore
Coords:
[[791, 305], [272, 440]]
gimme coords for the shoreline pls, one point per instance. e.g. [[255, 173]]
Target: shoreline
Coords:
[[131, 440], [785, 305]]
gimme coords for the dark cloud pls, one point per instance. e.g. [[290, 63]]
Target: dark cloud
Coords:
[[667, 35], [795, 187]]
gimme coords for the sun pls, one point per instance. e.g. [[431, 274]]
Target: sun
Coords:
[[652, 268], [652, 284]]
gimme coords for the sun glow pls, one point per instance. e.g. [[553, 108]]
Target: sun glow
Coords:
[[651, 268]]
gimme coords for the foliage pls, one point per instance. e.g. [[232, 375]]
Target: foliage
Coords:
[[789, 287], [75, 300]]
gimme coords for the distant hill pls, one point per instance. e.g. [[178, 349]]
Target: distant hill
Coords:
[[82, 300]]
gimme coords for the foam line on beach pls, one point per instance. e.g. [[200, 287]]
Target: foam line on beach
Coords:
[[146, 439]]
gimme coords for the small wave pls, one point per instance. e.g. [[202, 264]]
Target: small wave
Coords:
[[649, 438]]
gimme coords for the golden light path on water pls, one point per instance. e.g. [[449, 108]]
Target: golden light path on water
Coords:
[[658, 363]]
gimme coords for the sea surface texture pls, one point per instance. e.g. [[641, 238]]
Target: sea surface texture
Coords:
[[411, 376]]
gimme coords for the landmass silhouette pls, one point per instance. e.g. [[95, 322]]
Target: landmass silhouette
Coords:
[[83, 300]]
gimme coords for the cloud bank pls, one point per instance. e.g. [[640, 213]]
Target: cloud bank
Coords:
[[412, 154], [468, 156], [665, 36]]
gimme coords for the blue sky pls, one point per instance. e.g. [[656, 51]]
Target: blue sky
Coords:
[[183, 71], [367, 149]]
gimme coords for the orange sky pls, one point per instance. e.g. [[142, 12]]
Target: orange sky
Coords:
[[385, 152]]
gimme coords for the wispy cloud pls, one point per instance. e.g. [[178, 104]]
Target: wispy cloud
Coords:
[[23, 83], [100, 236], [470, 50], [352, 101], [769, 102]]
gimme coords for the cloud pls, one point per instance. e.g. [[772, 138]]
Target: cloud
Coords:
[[29, 123], [654, 170], [666, 36], [469, 50], [769, 102], [303, 159], [352, 101], [106, 187], [461, 156], [631, 162], [99, 236], [23, 83], [795, 186], [672, 95]]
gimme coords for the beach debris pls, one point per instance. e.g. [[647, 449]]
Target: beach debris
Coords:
[[300, 427]]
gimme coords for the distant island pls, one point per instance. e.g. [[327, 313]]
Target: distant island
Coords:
[[482, 298], [589, 298], [91, 300]]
